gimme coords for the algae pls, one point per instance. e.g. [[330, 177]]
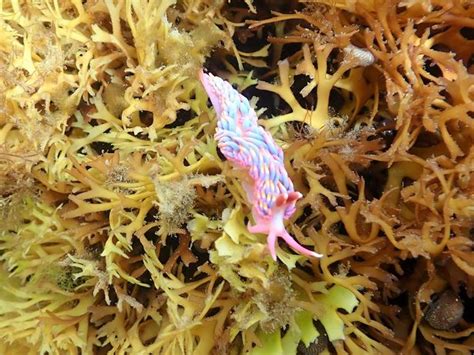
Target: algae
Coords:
[[123, 229]]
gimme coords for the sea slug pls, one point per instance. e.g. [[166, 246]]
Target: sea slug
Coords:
[[249, 147]]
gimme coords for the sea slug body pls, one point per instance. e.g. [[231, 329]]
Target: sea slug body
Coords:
[[248, 146]]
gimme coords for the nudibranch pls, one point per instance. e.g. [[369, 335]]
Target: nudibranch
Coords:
[[251, 148]]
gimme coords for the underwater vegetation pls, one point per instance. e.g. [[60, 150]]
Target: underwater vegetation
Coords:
[[123, 227]]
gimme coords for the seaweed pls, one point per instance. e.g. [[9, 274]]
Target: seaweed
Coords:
[[123, 229]]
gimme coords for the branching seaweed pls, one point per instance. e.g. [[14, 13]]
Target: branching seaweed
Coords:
[[123, 228]]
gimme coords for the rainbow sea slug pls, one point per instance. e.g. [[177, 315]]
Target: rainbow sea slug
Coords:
[[250, 147]]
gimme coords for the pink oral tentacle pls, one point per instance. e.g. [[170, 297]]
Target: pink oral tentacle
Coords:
[[298, 247], [271, 242], [258, 228]]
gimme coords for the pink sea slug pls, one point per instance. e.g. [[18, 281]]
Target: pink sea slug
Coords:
[[249, 147]]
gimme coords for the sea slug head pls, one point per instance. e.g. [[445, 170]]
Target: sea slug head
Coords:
[[273, 224]]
